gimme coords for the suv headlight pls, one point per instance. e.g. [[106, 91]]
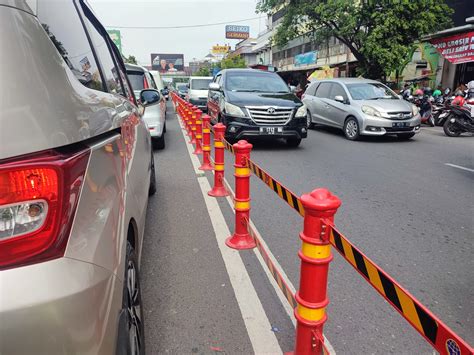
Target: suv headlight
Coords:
[[301, 112], [415, 110], [369, 110], [233, 110]]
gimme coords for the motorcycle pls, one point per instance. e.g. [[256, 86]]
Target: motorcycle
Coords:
[[426, 109], [460, 120]]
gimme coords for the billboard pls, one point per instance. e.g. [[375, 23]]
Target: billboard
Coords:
[[167, 63], [220, 49], [237, 32], [116, 38], [457, 48], [306, 58]]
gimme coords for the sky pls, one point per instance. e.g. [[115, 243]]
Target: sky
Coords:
[[192, 42]]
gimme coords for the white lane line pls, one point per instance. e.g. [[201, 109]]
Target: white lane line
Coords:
[[257, 324], [281, 296], [460, 167]]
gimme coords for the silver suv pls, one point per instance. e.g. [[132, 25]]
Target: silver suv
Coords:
[[360, 107], [76, 169]]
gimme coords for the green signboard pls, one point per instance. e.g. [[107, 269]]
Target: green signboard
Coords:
[[115, 36]]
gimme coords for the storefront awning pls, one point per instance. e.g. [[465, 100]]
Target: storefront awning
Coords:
[[457, 48]]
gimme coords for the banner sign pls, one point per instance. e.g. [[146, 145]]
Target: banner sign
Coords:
[[116, 38], [456, 49], [167, 63], [237, 32], [306, 58], [220, 49]]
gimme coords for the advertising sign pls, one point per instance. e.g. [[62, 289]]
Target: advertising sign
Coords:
[[306, 58], [237, 32], [167, 63], [324, 73], [456, 49], [220, 49], [116, 38]]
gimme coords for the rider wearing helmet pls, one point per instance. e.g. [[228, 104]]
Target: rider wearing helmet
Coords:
[[436, 93], [418, 92]]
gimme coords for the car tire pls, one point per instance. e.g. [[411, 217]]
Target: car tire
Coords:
[[351, 129], [159, 143], [152, 189], [293, 142], [309, 120], [405, 136], [164, 127], [131, 326]]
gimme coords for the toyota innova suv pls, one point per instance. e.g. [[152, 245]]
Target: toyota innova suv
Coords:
[[76, 169]]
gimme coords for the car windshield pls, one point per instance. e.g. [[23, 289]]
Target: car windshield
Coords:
[[183, 88], [255, 82], [200, 84], [370, 91], [136, 80]]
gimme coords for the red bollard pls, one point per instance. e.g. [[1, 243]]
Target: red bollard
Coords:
[[198, 125], [193, 125], [218, 190], [315, 255], [206, 143], [241, 239]]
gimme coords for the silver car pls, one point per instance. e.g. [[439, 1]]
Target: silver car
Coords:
[[360, 107], [155, 114], [76, 169]]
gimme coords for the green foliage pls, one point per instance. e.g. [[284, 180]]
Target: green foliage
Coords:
[[204, 71], [233, 62], [378, 33], [131, 59]]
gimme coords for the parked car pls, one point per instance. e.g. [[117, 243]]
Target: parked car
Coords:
[[198, 89], [155, 114], [76, 170], [360, 107], [256, 103]]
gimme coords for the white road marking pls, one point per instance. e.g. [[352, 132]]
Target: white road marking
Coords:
[[257, 324], [460, 167]]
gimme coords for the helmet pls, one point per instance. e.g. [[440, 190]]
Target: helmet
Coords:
[[437, 93], [418, 92], [458, 100], [470, 85]]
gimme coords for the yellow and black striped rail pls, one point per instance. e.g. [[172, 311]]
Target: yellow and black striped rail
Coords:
[[228, 146], [430, 327], [290, 297], [289, 197]]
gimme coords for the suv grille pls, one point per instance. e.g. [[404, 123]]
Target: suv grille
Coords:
[[270, 114], [400, 115]]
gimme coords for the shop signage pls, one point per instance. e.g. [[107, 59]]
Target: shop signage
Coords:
[[237, 32], [306, 58], [220, 49], [457, 49]]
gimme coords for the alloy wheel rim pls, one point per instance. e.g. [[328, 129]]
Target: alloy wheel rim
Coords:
[[133, 309], [308, 119], [351, 129]]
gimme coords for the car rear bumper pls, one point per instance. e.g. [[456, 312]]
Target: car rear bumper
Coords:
[[59, 306], [201, 104], [239, 128]]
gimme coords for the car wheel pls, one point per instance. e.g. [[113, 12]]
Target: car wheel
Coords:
[[351, 129], [405, 136], [152, 188], [133, 325], [309, 120], [449, 128], [159, 143], [293, 142]]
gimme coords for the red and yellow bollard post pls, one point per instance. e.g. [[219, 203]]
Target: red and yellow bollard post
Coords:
[[193, 124], [315, 254], [241, 239], [198, 147], [218, 190], [206, 143]]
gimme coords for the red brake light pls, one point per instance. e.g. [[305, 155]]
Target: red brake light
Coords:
[[38, 199]]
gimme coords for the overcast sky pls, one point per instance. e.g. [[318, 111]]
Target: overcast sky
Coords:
[[192, 42]]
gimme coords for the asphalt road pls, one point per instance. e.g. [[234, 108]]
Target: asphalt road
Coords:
[[402, 205]]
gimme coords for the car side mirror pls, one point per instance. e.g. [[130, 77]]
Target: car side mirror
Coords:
[[339, 98], [214, 87], [149, 97]]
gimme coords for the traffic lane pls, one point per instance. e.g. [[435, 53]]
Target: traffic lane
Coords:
[[189, 303], [398, 207]]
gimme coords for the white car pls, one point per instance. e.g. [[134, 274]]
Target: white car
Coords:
[[198, 89]]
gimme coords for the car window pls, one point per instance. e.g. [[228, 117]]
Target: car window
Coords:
[[255, 81], [219, 79], [311, 90], [151, 80], [136, 80], [323, 90], [337, 90], [109, 69], [370, 91], [200, 84], [68, 36]]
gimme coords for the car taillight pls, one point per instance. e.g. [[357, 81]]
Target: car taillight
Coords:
[[145, 83], [38, 199]]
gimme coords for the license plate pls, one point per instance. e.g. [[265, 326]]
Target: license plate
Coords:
[[400, 124], [270, 130]]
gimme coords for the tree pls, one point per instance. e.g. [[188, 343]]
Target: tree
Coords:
[[204, 71], [233, 62], [131, 59], [378, 33]]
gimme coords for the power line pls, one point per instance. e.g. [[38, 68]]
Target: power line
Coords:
[[186, 26]]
